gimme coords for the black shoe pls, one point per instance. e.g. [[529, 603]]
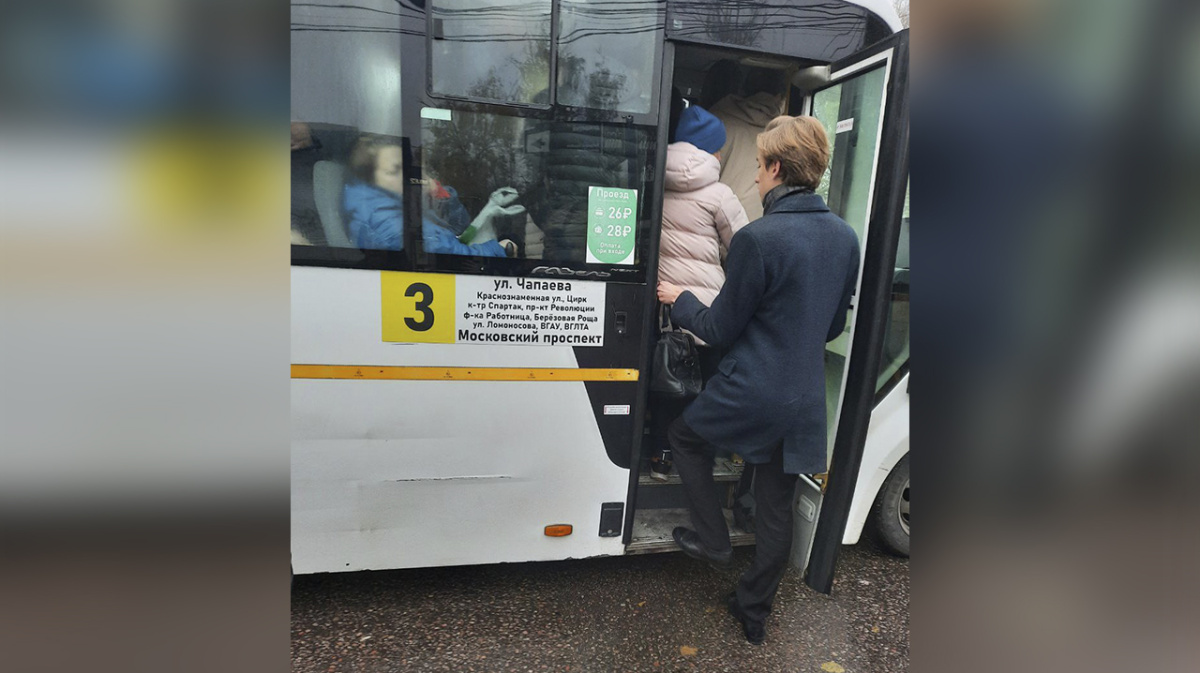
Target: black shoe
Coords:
[[690, 543], [754, 632], [660, 470]]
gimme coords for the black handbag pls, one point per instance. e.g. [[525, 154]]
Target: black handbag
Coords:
[[676, 368]]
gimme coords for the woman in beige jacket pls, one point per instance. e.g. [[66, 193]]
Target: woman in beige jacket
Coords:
[[700, 217]]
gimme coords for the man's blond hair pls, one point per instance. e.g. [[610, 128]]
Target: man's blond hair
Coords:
[[801, 148]]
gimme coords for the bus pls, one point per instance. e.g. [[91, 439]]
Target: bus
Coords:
[[476, 196]]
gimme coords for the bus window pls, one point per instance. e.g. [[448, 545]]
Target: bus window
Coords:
[[552, 166], [496, 50], [605, 54], [345, 83]]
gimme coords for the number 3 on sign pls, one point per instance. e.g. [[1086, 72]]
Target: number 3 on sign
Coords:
[[418, 307]]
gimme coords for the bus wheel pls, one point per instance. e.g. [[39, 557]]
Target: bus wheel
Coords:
[[891, 510]]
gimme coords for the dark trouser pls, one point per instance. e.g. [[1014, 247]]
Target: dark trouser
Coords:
[[773, 493], [743, 499]]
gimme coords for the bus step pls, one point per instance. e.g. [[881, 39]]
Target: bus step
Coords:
[[723, 470], [652, 531]]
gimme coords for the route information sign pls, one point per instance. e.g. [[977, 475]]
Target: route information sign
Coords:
[[443, 308]]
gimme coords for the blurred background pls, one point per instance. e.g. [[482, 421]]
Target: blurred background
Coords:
[[144, 334], [1055, 165]]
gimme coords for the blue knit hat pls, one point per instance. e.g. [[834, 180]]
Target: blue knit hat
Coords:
[[700, 128]]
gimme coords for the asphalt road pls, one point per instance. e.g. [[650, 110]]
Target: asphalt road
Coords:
[[661, 612]]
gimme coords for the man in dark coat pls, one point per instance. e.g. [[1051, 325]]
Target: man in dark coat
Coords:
[[790, 276]]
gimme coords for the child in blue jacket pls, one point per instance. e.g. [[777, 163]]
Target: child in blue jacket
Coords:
[[375, 212]]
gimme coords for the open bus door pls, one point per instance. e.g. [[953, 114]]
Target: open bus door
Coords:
[[865, 103], [861, 99]]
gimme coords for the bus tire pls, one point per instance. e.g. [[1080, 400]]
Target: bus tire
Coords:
[[891, 510]]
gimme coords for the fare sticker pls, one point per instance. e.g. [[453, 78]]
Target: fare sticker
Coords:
[[612, 225]]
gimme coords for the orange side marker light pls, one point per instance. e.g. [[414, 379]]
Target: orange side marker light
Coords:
[[558, 530]]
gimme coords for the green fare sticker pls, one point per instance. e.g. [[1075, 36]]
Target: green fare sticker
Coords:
[[612, 225]]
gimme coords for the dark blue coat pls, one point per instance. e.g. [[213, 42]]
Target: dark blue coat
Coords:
[[790, 276]]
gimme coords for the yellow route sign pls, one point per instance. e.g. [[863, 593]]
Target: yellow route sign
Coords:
[[445, 309], [418, 307]]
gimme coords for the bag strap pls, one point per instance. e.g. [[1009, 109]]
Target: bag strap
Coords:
[[664, 319]]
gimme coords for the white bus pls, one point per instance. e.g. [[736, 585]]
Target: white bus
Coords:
[[470, 397]]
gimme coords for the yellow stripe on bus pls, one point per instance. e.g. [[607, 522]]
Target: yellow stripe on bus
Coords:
[[460, 373]]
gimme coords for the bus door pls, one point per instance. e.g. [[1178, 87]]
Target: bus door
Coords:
[[853, 87], [864, 108], [469, 284]]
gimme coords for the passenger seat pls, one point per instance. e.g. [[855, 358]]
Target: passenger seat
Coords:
[[328, 179]]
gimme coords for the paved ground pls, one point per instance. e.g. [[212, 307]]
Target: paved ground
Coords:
[[662, 612]]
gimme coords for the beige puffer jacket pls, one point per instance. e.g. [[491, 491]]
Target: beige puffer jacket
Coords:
[[700, 217], [744, 119]]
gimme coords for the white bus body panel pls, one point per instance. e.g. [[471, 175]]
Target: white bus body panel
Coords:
[[887, 443], [402, 474]]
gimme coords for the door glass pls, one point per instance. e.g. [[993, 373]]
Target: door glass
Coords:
[[496, 50], [852, 113], [895, 341]]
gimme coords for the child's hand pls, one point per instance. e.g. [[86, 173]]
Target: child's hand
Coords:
[[504, 197], [503, 201]]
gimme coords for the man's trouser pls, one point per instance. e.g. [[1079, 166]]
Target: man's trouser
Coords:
[[773, 494]]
